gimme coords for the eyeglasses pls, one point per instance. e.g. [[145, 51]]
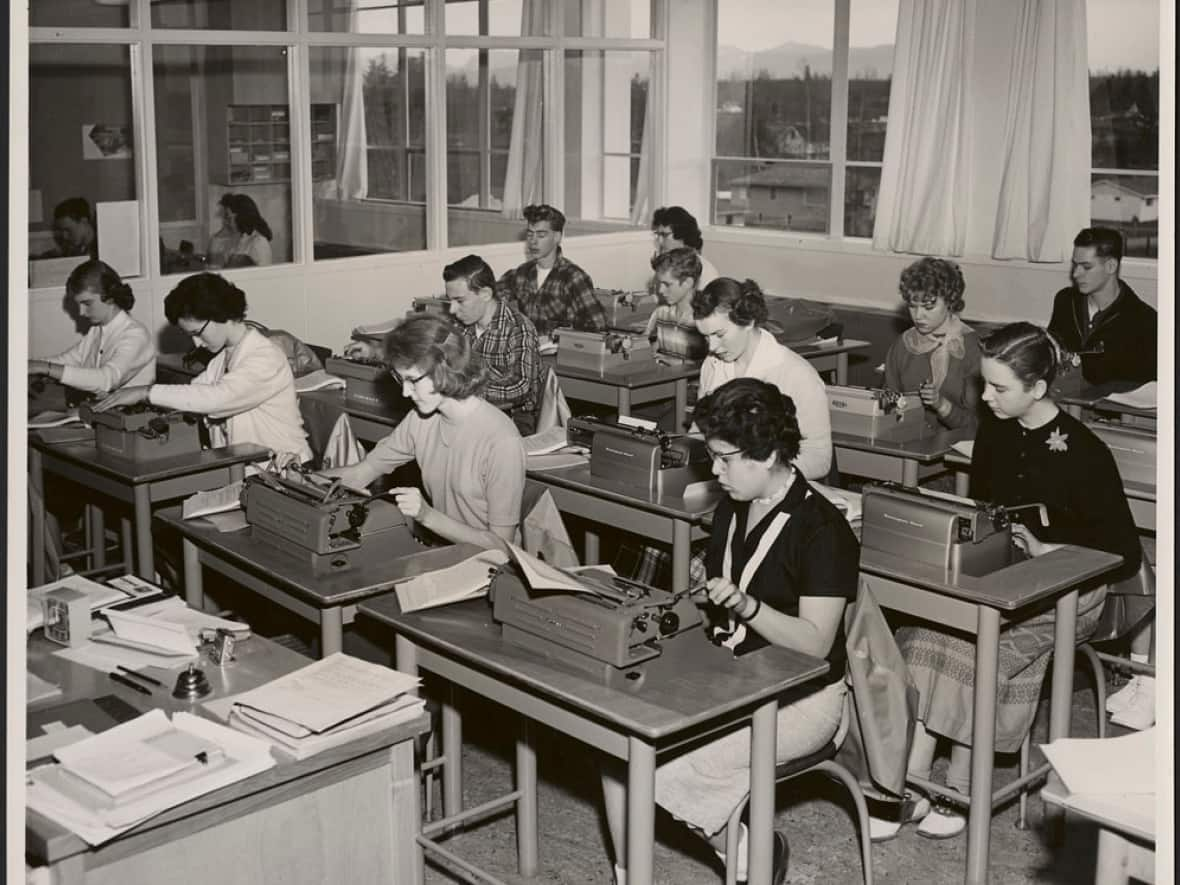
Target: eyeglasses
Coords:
[[725, 458], [403, 380], [200, 331], [662, 234]]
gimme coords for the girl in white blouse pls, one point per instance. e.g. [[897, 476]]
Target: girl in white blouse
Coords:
[[116, 349]]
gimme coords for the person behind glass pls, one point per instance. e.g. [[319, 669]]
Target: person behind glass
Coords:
[[470, 453], [550, 289], [247, 392], [1031, 452], [501, 336], [782, 565], [1101, 317], [729, 315], [116, 349], [244, 237], [73, 230], [939, 355], [675, 228]]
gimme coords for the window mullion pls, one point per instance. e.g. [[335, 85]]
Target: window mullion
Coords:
[[436, 128], [838, 125]]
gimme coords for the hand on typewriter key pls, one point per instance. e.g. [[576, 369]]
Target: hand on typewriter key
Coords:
[[127, 396], [360, 350], [1030, 543], [409, 501]]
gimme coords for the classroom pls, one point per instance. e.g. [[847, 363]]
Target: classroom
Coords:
[[360, 332]]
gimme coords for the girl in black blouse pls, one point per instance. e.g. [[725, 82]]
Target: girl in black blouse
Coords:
[[782, 565]]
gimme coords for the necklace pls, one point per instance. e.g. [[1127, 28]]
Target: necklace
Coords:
[[774, 497]]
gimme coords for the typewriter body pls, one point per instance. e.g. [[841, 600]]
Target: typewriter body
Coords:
[[875, 413], [600, 351], [618, 624], [331, 527], [1133, 450], [366, 381], [961, 535], [142, 432], [680, 342], [626, 311], [636, 456]]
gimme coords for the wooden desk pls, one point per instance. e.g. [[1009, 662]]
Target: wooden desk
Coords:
[[890, 461], [1077, 397], [141, 484], [641, 382], [664, 519], [370, 424], [349, 814], [830, 359], [1126, 832], [693, 688], [289, 581], [977, 606]]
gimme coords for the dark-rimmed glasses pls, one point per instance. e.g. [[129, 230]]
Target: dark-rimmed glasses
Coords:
[[403, 380]]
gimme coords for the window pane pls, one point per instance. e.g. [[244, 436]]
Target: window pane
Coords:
[[367, 111], [225, 15], [82, 151], [366, 16], [608, 18], [784, 196], [861, 185], [77, 14], [223, 135], [501, 18], [870, 66], [774, 98], [1131, 204], [1123, 47]]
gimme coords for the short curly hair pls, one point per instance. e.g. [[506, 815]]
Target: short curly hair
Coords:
[[744, 302], [928, 279], [753, 416], [683, 263], [684, 226], [437, 346], [538, 212], [205, 296]]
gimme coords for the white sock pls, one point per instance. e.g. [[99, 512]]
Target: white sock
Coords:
[[743, 853], [620, 875], [1138, 659]]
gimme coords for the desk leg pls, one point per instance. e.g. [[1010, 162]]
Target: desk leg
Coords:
[[983, 742], [962, 482], [37, 514], [681, 405], [1064, 636], [641, 811], [526, 806], [909, 473], [591, 545], [624, 401], [127, 542], [1119, 859], [145, 555], [763, 738], [842, 368], [98, 536], [194, 581], [237, 472], [452, 729], [681, 554], [331, 631], [408, 866]]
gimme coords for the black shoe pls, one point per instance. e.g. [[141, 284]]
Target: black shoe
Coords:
[[780, 855]]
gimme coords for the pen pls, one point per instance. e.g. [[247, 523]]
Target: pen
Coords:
[[123, 680], [139, 675]]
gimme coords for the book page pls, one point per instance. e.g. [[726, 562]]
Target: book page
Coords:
[[540, 575], [466, 580], [1108, 765], [215, 501]]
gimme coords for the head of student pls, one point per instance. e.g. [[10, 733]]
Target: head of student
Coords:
[[544, 227], [73, 226], [99, 292], [432, 360], [728, 314], [674, 228], [1097, 257], [677, 273], [1018, 366], [246, 217], [932, 289], [752, 434], [209, 309], [471, 290]]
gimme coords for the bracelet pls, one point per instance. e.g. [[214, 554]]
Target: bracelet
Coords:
[[754, 613]]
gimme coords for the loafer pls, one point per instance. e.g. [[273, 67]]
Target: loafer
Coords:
[[914, 808], [943, 822], [780, 855]]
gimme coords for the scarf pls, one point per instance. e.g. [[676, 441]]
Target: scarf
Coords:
[[941, 347]]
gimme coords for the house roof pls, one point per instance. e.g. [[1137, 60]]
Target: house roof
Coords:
[[787, 175], [1139, 187]]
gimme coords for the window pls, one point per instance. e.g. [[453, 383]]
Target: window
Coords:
[[1123, 46], [787, 130]]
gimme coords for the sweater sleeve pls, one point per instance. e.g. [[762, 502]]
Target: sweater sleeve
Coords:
[[129, 354], [394, 450], [965, 400], [893, 362], [262, 374]]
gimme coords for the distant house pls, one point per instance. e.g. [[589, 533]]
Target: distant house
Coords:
[[794, 197], [1111, 200]]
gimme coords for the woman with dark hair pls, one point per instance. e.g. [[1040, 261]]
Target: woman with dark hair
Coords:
[[244, 237], [247, 391], [782, 566], [116, 349], [470, 453], [1032, 452], [674, 227], [729, 315], [939, 355]]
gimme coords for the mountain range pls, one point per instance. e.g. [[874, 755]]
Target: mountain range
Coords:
[[789, 60]]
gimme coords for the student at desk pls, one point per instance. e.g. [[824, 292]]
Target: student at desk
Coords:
[[470, 453], [116, 349], [1030, 453], [782, 566], [939, 355], [247, 391], [677, 279], [244, 237]]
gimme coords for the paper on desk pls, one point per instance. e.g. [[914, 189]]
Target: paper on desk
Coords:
[[106, 657], [232, 521], [540, 575], [119, 766], [1144, 397], [1108, 765], [173, 610], [546, 442], [99, 595], [964, 447], [49, 742], [318, 380], [465, 580], [556, 460], [69, 433], [54, 419], [214, 501], [154, 632], [38, 689]]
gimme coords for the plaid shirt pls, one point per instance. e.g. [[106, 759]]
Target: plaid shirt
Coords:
[[508, 347], [565, 299]]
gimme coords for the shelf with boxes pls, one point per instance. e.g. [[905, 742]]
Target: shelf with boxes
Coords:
[[258, 143]]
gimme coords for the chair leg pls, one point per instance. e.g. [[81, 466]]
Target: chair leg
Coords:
[[1022, 817], [1091, 658], [840, 773], [732, 831]]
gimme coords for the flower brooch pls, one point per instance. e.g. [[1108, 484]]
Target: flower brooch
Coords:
[[1056, 441]]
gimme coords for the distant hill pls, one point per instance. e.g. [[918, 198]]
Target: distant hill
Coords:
[[789, 59]]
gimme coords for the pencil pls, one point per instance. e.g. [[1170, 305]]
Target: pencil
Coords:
[[139, 675], [123, 680]]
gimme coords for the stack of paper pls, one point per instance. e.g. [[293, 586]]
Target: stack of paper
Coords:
[[109, 782], [213, 501], [1144, 397], [325, 704], [100, 595]]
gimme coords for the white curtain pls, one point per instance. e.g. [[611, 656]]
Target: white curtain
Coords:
[[523, 181], [925, 177], [642, 207], [1046, 167], [352, 166]]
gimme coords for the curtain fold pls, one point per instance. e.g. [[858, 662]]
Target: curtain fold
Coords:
[[1046, 166], [523, 180], [352, 167], [925, 189], [641, 207]]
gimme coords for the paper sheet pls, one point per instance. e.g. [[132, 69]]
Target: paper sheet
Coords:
[[318, 380], [38, 689], [214, 501], [156, 632], [48, 743], [540, 575], [105, 658], [54, 419], [557, 460], [465, 580], [964, 447], [545, 442], [1145, 397], [1110, 765]]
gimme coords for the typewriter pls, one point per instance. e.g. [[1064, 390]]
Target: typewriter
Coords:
[[142, 432], [1133, 450], [876, 413], [600, 351], [366, 380], [638, 456], [331, 527], [616, 624], [626, 311]]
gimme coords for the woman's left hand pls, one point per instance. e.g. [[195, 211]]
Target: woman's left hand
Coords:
[[128, 396], [1030, 543], [724, 592], [931, 398], [410, 502]]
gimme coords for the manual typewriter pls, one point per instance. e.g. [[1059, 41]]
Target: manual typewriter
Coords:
[[626, 311], [600, 351], [617, 623], [638, 456], [332, 527], [366, 381], [142, 432], [961, 535], [876, 413], [1133, 450]]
